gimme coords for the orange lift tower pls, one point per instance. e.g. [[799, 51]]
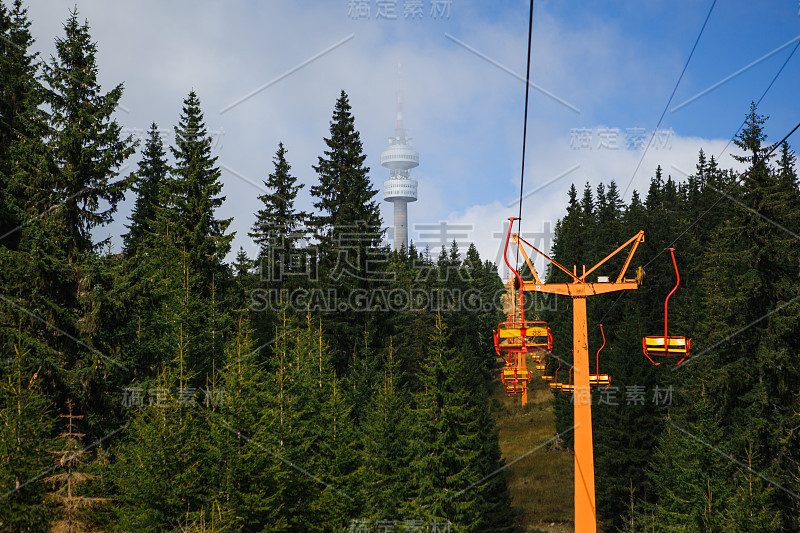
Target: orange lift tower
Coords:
[[579, 290]]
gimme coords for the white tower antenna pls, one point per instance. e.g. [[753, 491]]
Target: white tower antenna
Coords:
[[400, 188]]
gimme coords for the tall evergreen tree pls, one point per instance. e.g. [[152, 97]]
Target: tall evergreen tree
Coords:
[[70, 191], [150, 184], [195, 192], [385, 451], [445, 442], [200, 236], [21, 119], [252, 479], [164, 473], [344, 194], [86, 141], [348, 227], [279, 226]]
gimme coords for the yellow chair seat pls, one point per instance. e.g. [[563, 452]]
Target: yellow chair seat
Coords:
[[515, 388], [674, 346], [509, 337], [515, 374]]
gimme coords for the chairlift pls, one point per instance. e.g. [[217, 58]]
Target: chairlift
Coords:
[[554, 384], [545, 376], [568, 387], [515, 373], [514, 335], [664, 345], [513, 388], [599, 379], [515, 376]]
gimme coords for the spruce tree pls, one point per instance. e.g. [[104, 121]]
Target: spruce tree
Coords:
[[344, 194], [26, 424], [150, 183], [163, 473], [385, 451], [245, 439], [199, 236], [348, 228], [279, 226], [86, 141], [445, 442], [21, 120], [195, 193], [68, 186]]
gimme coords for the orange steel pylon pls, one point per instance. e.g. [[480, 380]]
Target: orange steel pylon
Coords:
[[579, 290]]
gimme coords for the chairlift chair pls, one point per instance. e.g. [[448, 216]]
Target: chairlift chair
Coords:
[[599, 379], [553, 380], [568, 387], [509, 336], [664, 345]]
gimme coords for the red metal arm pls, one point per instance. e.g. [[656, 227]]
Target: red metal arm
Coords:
[[597, 361], [666, 302], [519, 279]]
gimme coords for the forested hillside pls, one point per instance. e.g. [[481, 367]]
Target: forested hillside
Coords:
[[327, 384], [712, 444]]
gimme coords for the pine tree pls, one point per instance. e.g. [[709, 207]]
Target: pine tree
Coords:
[[243, 265], [26, 423], [246, 280], [493, 499], [279, 226], [86, 142], [149, 184], [195, 192], [751, 508], [345, 194], [484, 312], [67, 188], [699, 488], [21, 119], [446, 441], [385, 452], [156, 298], [163, 474], [200, 236], [348, 228], [72, 506], [252, 479]]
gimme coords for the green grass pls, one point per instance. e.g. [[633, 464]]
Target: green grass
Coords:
[[541, 483]]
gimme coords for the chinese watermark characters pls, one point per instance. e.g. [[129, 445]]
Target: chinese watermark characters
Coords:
[[616, 139], [396, 9], [633, 395], [160, 397]]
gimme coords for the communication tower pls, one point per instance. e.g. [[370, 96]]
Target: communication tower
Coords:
[[400, 188]]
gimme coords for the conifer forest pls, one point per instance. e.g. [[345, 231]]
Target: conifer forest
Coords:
[[332, 384]]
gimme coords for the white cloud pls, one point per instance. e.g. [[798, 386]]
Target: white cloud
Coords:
[[543, 209], [464, 113]]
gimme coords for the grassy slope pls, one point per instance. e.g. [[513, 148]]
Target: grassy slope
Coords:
[[541, 483]]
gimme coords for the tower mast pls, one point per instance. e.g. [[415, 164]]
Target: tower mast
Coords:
[[400, 189]]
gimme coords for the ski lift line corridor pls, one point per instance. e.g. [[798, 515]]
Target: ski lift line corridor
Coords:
[[580, 381]]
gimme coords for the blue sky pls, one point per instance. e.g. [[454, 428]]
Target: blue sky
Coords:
[[609, 66]]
